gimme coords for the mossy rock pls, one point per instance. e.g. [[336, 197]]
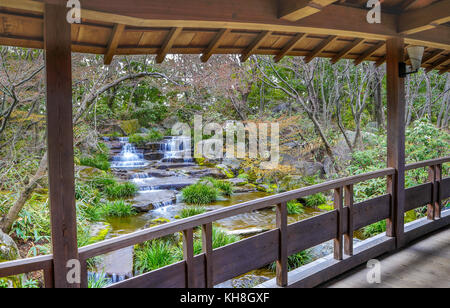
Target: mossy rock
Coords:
[[88, 173], [130, 127], [264, 188], [9, 252], [410, 216], [226, 171]]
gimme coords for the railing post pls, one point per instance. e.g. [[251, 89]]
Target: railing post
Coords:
[[282, 262], [437, 183], [431, 211], [338, 205], [348, 237], [208, 250], [84, 274], [188, 251]]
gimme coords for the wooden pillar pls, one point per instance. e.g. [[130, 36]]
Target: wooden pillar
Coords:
[[396, 137], [60, 142]]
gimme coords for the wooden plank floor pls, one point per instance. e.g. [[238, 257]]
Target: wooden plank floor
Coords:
[[424, 263]]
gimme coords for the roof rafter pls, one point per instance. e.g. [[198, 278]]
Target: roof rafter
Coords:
[[215, 43], [113, 43], [255, 45], [321, 47], [369, 52], [356, 42], [432, 56], [168, 43], [425, 18], [294, 10], [290, 46], [442, 61]]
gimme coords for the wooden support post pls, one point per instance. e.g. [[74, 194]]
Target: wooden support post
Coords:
[[282, 262], [348, 237], [208, 250], [338, 205], [188, 250], [396, 136], [60, 142]]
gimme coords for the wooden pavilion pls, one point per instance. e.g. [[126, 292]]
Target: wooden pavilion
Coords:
[[308, 28]]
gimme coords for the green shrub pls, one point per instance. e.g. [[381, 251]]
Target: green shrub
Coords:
[[99, 283], [374, 229], [102, 182], [199, 194], [315, 200], [192, 211], [121, 191], [141, 139], [117, 209], [99, 161], [153, 255], [224, 187], [294, 207], [221, 238], [295, 260]]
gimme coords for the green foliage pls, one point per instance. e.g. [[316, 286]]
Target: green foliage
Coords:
[[225, 188], [374, 229], [192, 211], [121, 191], [199, 194], [130, 126], [294, 208], [117, 209], [221, 238], [141, 139], [295, 260], [31, 284], [3, 284], [99, 161], [315, 200], [153, 255], [99, 283]]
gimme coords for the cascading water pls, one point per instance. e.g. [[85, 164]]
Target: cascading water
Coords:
[[177, 149], [129, 157]]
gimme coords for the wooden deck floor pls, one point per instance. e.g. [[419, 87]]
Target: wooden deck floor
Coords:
[[424, 263]]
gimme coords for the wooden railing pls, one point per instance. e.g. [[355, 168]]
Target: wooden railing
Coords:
[[214, 266]]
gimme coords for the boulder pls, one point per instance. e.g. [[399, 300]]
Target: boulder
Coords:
[[8, 248], [310, 168], [9, 252], [225, 170]]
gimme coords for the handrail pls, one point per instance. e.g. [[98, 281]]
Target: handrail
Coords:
[[203, 219], [426, 163], [27, 265]]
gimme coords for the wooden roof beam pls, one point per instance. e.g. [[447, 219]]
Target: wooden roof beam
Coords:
[[113, 43], [255, 45], [321, 47], [289, 46], [357, 42], [425, 18], [215, 43], [442, 61], [294, 10], [432, 56], [369, 52], [168, 43]]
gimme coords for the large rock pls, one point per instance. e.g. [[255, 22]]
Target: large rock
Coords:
[[310, 168], [8, 248], [9, 252], [148, 201]]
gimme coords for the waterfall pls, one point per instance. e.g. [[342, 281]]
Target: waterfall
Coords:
[[177, 149], [129, 157]]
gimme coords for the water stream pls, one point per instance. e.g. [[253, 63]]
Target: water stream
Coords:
[[159, 194]]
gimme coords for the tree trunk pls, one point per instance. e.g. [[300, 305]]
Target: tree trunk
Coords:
[[13, 213]]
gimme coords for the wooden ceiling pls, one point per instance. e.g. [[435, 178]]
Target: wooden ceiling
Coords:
[[309, 28]]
